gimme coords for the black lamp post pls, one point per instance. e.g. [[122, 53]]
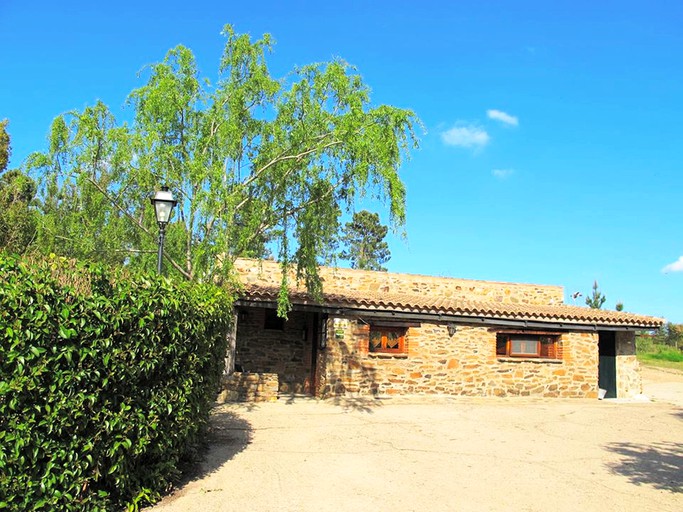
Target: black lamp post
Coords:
[[163, 207]]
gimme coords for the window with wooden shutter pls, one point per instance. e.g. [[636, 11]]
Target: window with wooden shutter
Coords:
[[528, 344], [389, 340]]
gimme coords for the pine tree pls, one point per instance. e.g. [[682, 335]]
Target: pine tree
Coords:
[[364, 242], [597, 299]]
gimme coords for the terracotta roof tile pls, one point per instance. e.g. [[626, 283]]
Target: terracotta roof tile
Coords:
[[373, 301]]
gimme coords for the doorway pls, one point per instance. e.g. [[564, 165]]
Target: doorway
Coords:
[[607, 366]]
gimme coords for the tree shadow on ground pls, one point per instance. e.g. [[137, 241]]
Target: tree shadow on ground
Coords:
[[657, 464], [357, 403], [228, 435], [247, 405], [353, 386], [347, 403]]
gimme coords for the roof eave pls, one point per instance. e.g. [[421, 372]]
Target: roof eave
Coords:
[[442, 317]]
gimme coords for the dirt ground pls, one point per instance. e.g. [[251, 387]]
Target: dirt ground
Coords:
[[445, 454], [663, 385]]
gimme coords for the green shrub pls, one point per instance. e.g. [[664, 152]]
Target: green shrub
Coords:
[[644, 344], [106, 382], [664, 353]]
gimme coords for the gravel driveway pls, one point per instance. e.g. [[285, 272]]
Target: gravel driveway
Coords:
[[445, 455]]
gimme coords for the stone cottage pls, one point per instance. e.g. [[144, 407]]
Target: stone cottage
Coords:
[[382, 334]]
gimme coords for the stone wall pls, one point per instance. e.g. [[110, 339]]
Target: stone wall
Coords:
[[249, 387], [339, 280], [465, 364], [434, 363], [629, 383], [282, 352]]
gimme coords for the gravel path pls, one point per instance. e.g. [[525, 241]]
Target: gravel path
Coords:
[[444, 455]]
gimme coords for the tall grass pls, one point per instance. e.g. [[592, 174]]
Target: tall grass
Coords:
[[657, 354]]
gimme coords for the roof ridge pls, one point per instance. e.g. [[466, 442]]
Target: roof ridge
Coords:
[[344, 270]]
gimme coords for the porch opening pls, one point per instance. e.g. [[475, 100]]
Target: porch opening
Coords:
[[267, 345]]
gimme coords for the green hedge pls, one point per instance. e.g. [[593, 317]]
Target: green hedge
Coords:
[[106, 382]]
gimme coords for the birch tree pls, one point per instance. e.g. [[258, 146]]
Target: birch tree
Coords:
[[257, 163]]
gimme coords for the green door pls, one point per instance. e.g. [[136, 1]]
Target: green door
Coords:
[[607, 367]]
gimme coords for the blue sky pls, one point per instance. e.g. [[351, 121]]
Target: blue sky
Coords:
[[553, 144]]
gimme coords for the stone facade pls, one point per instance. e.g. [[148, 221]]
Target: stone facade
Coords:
[[629, 383], [339, 280], [433, 362], [249, 387], [464, 364]]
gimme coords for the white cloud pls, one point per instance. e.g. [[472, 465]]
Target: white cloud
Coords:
[[502, 173], [503, 117], [676, 266], [466, 137]]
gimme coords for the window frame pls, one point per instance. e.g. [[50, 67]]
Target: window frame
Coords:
[[550, 340], [384, 338]]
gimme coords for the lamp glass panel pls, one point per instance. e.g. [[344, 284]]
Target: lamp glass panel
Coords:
[[163, 210]]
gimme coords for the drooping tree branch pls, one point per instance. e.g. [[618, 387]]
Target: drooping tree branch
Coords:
[[312, 145]]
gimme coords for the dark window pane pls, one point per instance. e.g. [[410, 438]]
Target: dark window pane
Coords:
[[501, 344], [375, 340]]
